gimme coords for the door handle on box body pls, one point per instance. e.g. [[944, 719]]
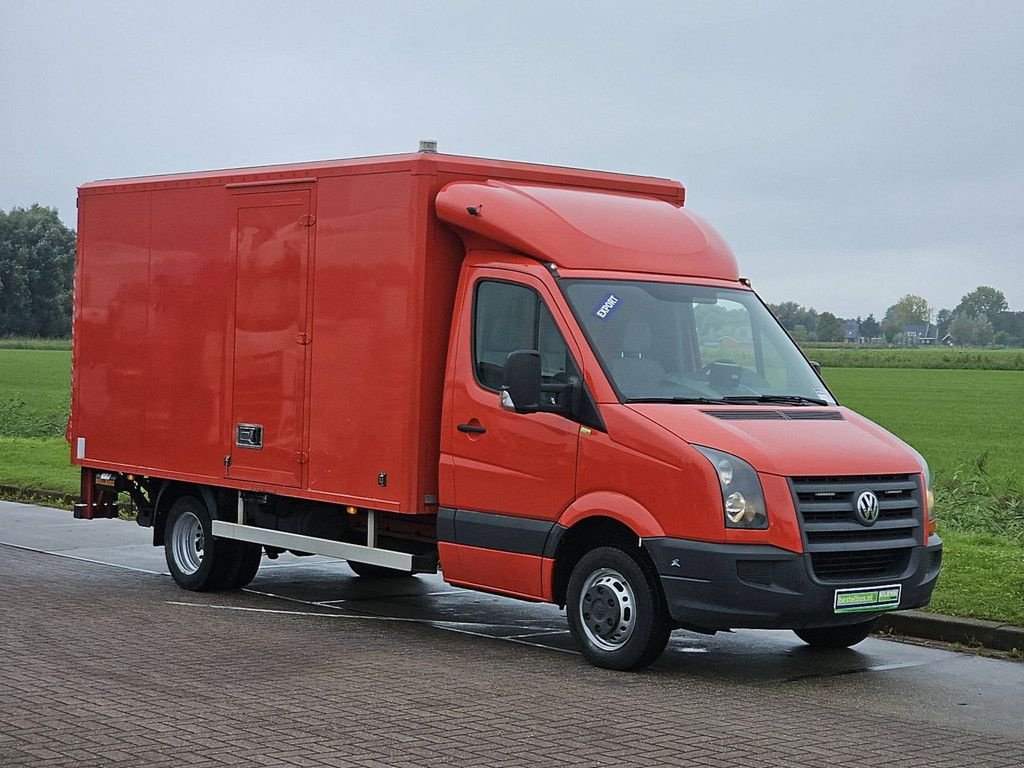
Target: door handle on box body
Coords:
[[476, 429]]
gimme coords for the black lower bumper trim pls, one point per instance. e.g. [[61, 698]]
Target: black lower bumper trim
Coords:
[[731, 586]]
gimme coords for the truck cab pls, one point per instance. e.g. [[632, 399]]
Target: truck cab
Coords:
[[629, 432]]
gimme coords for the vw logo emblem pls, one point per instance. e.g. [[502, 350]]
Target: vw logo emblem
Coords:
[[867, 508]]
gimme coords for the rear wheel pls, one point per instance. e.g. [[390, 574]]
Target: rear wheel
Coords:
[[246, 562], [615, 610], [836, 637], [368, 571], [196, 560]]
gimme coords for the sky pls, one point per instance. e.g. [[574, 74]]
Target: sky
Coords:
[[850, 153]]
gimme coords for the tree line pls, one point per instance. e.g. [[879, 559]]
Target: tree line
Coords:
[[37, 261], [982, 318], [37, 264]]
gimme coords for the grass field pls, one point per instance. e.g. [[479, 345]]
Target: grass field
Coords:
[[34, 392], [34, 387], [33, 412], [919, 357], [953, 417], [969, 424]]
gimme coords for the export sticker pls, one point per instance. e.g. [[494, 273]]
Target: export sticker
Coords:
[[823, 394], [864, 599], [607, 307]]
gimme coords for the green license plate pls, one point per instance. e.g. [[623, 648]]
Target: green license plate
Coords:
[[864, 599]]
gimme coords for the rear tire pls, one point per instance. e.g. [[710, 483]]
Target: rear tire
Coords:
[[196, 560], [836, 637], [616, 611], [246, 562], [368, 571]]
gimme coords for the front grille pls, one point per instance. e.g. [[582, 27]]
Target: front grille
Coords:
[[842, 548], [859, 564]]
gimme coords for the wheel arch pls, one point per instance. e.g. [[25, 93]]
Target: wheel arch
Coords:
[[597, 519], [172, 490]]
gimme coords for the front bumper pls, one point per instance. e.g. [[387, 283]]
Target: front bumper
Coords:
[[729, 586]]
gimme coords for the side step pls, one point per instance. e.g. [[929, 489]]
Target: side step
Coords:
[[386, 558]]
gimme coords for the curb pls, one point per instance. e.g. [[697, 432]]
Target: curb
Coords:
[[29, 495], [950, 629]]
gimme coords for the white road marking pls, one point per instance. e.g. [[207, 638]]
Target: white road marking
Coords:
[[857, 671], [390, 597], [83, 559], [538, 634], [368, 616], [903, 665], [448, 626]]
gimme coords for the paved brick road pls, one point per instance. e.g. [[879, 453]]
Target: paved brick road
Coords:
[[98, 666]]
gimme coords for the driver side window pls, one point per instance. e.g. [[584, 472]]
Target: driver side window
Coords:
[[508, 317]]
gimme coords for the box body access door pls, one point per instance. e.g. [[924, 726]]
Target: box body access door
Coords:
[[271, 241]]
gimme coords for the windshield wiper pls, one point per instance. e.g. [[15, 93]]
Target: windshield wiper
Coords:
[[790, 399], [699, 400]]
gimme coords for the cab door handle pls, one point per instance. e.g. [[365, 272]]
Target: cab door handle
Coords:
[[476, 429]]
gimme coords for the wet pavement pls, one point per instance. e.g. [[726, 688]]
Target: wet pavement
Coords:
[[106, 662]]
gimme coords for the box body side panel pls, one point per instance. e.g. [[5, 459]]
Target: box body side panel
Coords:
[[112, 377], [192, 282], [380, 318]]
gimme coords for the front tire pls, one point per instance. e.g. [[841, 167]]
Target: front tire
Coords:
[[197, 561], [615, 610], [836, 637]]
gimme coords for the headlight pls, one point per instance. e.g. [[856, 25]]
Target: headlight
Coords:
[[929, 507], [742, 498]]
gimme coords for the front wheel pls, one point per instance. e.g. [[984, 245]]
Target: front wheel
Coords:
[[836, 637], [615, 610]]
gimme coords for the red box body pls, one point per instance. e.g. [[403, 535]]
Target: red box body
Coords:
[[307, 307]]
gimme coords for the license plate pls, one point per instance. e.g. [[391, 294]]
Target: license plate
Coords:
[[864, 599]]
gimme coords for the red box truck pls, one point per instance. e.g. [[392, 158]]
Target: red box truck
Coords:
[[550, 383]]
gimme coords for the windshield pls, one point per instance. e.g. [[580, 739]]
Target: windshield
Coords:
[[668, 342]]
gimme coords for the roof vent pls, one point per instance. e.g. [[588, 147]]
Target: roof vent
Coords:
[[429, 146]]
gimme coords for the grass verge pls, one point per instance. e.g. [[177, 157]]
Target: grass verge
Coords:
[[982, 577], [37, 463], [28, 343]]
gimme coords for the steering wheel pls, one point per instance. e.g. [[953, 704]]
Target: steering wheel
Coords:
[[706, 369]]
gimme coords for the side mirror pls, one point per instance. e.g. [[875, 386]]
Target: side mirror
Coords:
[[521, 389], [816, 366]]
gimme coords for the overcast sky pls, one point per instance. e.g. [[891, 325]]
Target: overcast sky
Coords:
[[849, 152]]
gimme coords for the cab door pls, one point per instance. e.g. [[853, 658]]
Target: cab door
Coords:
[[512, 474]]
